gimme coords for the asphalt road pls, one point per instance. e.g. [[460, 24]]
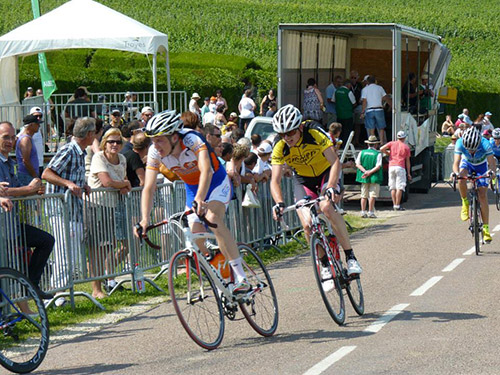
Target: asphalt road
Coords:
[[430, 309]]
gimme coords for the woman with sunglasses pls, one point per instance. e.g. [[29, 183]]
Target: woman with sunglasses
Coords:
[[308, 150], [108, 170]]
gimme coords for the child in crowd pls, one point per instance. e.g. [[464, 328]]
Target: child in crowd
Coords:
[[369, 174]]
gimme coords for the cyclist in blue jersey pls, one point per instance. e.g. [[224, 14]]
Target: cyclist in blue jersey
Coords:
[[473, 153], [495, 143]]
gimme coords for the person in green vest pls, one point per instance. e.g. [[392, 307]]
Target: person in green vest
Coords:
[[344, 105], [369, 174]]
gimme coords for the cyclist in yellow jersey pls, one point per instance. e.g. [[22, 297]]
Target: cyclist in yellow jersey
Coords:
[[308, 150]]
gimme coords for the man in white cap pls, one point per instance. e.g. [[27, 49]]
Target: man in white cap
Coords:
[[399, 168], [425, 94], [37, 138], [369, 174], [146, 114], [26, 151], [193, 104], [263, 168], [487, 125]]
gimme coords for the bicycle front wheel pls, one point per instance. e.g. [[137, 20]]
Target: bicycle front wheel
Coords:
[[196, 300], [24, 325], [261, 308], [475, 225], [329, 287], [355, 294]]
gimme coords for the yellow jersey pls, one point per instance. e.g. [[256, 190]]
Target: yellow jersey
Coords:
[[306, 157]]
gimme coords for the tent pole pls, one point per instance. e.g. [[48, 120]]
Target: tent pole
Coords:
[[155, 93], [169, 90]]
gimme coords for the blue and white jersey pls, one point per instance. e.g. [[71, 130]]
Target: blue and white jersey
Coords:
[[483, 151], [495, 148]]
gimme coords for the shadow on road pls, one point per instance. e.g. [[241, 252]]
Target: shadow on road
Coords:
[[437, 317], [87, 370]]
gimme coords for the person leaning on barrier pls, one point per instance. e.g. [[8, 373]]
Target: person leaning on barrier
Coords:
[[108, 170], [30, 237], [66, 171], [26, 152]]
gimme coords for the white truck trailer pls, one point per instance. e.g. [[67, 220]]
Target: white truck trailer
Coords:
[[389, 52]]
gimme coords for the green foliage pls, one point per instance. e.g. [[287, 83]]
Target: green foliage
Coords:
[[214, 32]]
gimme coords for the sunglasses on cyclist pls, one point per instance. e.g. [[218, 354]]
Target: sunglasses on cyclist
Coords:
[[289, 134], [112, 141]]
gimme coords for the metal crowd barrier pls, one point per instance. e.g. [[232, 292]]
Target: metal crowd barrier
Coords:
[[94, 238]]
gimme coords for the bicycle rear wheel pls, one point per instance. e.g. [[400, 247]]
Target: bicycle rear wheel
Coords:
[[355, 294], [196, 300], [24, 325], [261, 308], [332, 294], [475, 225]]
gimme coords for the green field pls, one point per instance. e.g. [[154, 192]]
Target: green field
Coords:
[[231, 34]]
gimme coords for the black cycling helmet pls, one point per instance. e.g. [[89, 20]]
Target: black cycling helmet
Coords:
[[163, 123]]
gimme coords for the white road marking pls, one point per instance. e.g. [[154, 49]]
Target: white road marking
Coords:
[[497, 228], [471, 251], [386, 318], [427, 285], [450, 267], [330, 360]]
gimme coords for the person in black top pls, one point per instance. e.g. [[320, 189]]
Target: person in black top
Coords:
[[410, 92], [267, 102], [135, 156]]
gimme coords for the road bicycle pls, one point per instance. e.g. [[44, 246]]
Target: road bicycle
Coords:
[[200, 287], [324, 241], [475, 218], [495, 183], [24, 324]]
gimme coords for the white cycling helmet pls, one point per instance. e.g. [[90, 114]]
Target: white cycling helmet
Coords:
[[471, 139], [163, 123], [286, 119], [496, 133]]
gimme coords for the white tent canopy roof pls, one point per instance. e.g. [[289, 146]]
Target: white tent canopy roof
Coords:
[[82, 24]]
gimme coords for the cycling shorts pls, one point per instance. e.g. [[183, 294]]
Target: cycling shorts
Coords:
[[220, 191], [311, 186], [479, 169]]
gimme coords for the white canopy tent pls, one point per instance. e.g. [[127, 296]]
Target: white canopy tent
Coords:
[[77, 24]]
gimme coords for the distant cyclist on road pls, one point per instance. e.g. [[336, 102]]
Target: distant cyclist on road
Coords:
[[473, 153], [208, 191], [495, 143], [308, 150]]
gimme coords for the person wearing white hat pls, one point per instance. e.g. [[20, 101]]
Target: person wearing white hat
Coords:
[[425, 94], [487, 125], [146, 114], [369, 174], [263, 168], [193, 104], [399, 168]]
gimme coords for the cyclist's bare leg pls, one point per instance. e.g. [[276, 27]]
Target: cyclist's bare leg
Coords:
[[483, 201], [337, 222], [215, 214], [305, 220], [462, 184], [363, 204], [199, 228]]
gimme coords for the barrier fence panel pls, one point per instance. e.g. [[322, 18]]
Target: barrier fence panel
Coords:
[[20, 234], [93, 237]]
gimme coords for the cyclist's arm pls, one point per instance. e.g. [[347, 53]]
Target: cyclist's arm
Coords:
[[205, 176], [276, 175], [147, 196], [492, 165], [456, 163], [335, 169]]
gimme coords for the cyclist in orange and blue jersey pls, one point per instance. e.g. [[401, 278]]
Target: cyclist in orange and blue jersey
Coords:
[[473, 153], [187, 153]]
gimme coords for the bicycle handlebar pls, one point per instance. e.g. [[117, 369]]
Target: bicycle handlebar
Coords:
[[144, 236], [470, 178]]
